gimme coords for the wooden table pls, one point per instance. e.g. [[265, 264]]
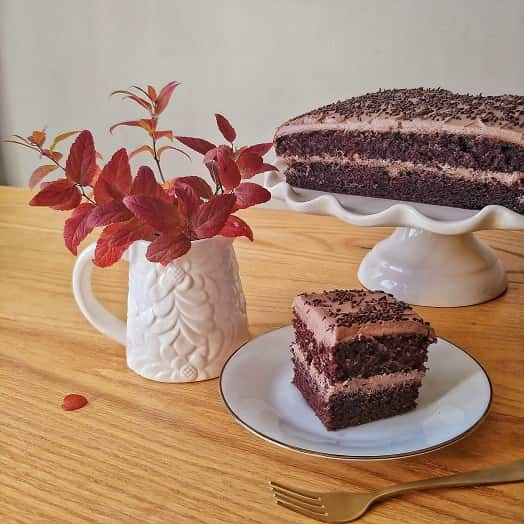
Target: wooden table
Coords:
[[149, 452]]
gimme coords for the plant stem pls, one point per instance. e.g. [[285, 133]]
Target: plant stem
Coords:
[[51, 158], [157, 160], [85, 195]]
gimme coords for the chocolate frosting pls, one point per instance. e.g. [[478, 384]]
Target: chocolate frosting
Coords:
[[420, 110], [356, 384], [428, 104], [345, 315]]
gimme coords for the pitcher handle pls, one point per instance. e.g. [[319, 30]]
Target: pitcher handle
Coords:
[[99, 317]]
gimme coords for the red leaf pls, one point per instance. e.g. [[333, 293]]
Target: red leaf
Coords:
[[236, 227], [140, 101], [77, 226], [227, 171], [248, 164], [81, 162], [212, 215], [59, 138], [142, 149], [163, 134], [115, 180], [145, 184], [213, 171], [151, 91], [159, 214], [109, 213], [122, 92], [164, 96], [160, 150], [73, 401], [266, 167], [40, 173], [212, 153], [167, 247], [148, 124], [259, 149], [227, 130], [250, 194], [116, 238], [60, 194], [198, 184], [131, 96], [37, 138], [197, 144], [188, 199], [54, 155], [96, 176]]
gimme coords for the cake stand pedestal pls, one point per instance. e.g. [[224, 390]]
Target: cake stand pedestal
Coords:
[[431, 259]]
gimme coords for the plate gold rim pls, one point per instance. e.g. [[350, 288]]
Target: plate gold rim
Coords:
[[335, 456]]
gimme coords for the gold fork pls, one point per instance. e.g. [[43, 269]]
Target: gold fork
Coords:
[[341, 506]]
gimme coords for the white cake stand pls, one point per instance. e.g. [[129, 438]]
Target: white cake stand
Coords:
[[431, 259]]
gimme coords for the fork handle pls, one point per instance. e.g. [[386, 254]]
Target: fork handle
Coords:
[[512, 472]]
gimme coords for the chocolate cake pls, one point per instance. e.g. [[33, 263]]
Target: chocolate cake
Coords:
[[421, 145], [358, 355]]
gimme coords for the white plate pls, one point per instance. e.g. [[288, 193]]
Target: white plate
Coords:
[[378, 212], [461, 271], [256, 387]]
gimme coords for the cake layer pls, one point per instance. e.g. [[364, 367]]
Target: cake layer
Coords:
[[408, 183], [329, 387], [357, 407], [363, 356], [439, 148], [468, 151], [345, 315], [416, 183], [420, 111]]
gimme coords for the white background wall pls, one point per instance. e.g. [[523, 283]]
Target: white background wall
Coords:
[[258, 62]]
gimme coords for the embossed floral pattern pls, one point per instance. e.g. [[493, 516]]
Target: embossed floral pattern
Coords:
[[185, 319]]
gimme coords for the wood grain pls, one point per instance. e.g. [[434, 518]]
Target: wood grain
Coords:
[[148, 452]]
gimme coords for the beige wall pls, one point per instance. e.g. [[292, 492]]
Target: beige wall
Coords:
[[258, 62]]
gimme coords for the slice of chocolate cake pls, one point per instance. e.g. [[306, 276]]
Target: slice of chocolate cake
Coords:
[[358, 355], [421, 145]]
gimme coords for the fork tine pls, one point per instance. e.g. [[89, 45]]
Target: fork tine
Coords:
[[295, 491], [280, 495], [307, 513], [299, 498]]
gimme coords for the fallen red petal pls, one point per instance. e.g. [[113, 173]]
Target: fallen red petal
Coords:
[[73, 401]]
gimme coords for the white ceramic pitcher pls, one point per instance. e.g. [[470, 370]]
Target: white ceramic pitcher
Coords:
[[183, 319]]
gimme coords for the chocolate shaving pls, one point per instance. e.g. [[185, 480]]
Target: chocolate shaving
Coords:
[[429, 104]]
